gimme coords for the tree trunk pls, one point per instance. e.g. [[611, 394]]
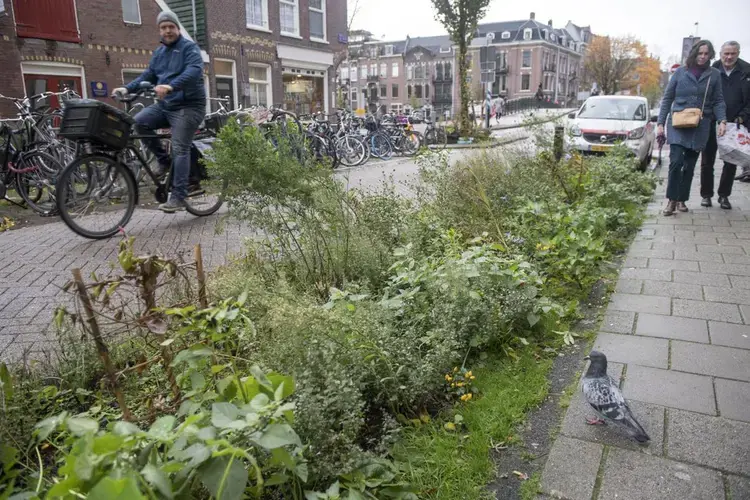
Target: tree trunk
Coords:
[[464, 124]]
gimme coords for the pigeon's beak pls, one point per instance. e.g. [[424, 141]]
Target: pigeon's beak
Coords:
[[587, 358]]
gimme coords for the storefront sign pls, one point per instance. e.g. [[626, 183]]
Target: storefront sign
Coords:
[[343, 38], [99, 89]]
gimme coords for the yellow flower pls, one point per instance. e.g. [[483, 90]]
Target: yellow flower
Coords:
[[468, 374], [453, 385], [466, 397], [460, 384], [472, 377], [448, 378], [455, 369], [538, 246]]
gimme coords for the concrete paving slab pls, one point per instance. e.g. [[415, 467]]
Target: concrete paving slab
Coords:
[[671, 264], [706, 310], [618, 321], [629, 286], [717, 361], [727, 295], [733, 398], [697, 256], [638, 476], [701, 278], [716, 442], [674, 290], [739, 488], [571, 468], [728, 334], [672, 327], [670, 388], [647, 274], [640, 303], [644, 351]]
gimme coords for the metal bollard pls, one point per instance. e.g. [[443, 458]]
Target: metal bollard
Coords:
[[558, 143]]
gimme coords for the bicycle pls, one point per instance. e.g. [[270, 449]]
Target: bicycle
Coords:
[[101, 176], [435, 136], [30, 173]]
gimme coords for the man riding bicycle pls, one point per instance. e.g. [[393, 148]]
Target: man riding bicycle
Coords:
[[176, 68]]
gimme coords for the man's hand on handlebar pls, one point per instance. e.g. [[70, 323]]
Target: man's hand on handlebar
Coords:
[[162, 90], [119, 92]]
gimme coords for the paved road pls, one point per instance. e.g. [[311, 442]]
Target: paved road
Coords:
[[677, 333]]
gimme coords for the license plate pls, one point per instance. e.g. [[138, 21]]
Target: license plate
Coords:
[[600, 148]]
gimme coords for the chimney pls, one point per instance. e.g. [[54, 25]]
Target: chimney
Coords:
[[532, 16], [549, 23]]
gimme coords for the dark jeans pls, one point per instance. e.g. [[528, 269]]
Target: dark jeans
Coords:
[[184, 122], [708, 158], [681, 167]]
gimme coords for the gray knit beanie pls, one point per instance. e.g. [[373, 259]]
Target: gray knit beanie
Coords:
[[167, 15]]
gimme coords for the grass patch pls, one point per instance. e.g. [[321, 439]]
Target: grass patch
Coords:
[[457, 465], [530, 488]]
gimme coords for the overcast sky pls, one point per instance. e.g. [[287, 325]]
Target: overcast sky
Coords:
[[661, 24]]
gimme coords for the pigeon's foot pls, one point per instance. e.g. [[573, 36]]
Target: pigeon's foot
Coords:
[[595, 421]]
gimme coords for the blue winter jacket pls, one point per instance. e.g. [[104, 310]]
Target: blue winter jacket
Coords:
[[179, 65], [685, 91]]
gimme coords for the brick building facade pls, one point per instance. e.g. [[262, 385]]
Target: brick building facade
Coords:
[[93, 46]]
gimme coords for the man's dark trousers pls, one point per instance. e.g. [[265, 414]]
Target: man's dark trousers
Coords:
[[708, 158]]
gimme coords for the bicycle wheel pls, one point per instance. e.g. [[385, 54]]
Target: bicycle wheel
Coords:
[[35, 181], [380, 146], [206, 197], [350, 150], [96, 196]]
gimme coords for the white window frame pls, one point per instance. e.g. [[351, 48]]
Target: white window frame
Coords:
[[268, 81], [445, 50], [531, 59], [344, 73], [363, 72], [554, 37], [295, 4], [353, 73], [505, 35], [527, 34], [233, 76], [383, 70], [394, 70], [389, 50], [373, 70], [130, 71], [137, 6], [258, 27], [521, 83], [322, 10]]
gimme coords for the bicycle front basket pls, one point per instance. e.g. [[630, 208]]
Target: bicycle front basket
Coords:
[[95, 121]]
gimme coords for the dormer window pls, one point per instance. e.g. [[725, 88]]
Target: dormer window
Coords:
[[505, 35], [389, 50], [527, 34], [554, 37], [445, 50]]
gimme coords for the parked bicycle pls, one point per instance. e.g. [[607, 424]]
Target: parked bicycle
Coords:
[[97, 193]]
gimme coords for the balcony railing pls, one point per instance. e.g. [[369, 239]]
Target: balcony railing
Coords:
[[442, 78], [442, 98], [373, 78], [550, 68]]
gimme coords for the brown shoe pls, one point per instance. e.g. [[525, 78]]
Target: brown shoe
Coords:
[[670, 208], [681, 206]]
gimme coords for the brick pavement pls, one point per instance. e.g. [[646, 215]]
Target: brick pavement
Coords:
[[36, 262], [677, 334]]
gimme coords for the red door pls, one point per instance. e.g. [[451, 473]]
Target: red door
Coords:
[[36, 84]]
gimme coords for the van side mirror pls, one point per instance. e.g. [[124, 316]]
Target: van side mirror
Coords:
[[572, 115]]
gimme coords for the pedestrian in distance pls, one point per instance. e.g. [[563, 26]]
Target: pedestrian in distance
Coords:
[[176, 68], [692, 101], [735, 85]]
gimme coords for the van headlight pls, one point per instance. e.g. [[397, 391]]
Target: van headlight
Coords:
[[575, 130], [637, 133]]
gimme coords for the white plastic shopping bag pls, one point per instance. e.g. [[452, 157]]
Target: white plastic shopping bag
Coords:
[[734, 146]]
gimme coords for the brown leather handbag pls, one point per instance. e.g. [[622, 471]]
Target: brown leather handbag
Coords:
[[690, 117]]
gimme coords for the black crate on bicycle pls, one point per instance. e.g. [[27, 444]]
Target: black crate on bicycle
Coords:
[[216, 122], [95, 121]]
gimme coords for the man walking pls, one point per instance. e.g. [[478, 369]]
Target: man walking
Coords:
[[735, 79], [176, 68]]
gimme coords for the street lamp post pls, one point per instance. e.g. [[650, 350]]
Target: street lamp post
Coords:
[[488, 97]]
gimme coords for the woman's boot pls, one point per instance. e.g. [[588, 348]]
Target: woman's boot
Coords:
[[670, 208]]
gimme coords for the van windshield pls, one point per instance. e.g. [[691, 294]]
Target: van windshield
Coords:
[[613, 109]]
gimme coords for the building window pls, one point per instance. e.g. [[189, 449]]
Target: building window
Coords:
[[383, 70], [418, 91], [131, 12], [427, 91], [344, 73], [256, 12], [505, 35], [383, 91], [259, 78], [448, 71], [363, 72], [394, 70], [318, 19], [408, 91], [389, 50], [48, 21], [354, 73], [394, 90], [525, 82], [419, 72], [526, 59], [527, 34], [226, 85], [554, 37], [445, 50], [289, 19], [373, 70]]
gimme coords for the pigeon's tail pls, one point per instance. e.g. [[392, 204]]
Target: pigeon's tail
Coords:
[[635, 429]]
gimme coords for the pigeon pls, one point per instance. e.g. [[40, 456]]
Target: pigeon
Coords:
[[604, 396]]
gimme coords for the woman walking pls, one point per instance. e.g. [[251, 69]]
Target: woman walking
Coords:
[[692, 101]]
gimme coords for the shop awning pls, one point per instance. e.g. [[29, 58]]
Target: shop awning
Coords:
[[304, 58]]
